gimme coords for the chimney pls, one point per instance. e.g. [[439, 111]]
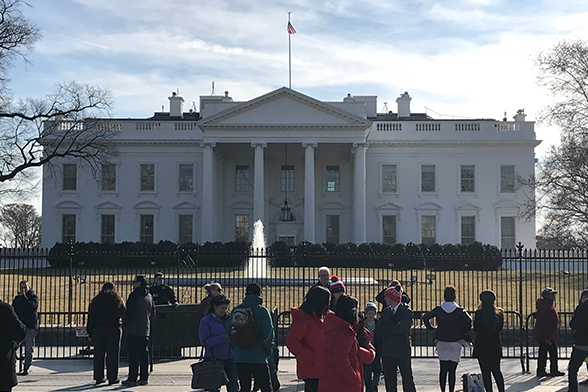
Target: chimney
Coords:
[[226, 98], [403, 105], [520, 116], [176, 106], [349, 98]]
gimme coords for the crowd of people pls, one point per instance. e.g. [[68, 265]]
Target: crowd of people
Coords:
[[337, 346]]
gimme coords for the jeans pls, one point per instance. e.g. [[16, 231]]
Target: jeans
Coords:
[[545, 348], [259, 371], [390, 365], [371, 374], [138, 351], [106, 346], [490, 366], [576, 361], [29, 344]]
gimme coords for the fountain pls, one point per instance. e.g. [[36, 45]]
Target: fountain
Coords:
[[257, 265]]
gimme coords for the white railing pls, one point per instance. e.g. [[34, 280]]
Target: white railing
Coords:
[[429, 127], [389, 126], [184, 126], [147, 125], [505, 126], [467, 127]]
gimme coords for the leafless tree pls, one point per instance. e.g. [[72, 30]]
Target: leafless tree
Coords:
[[35, 132], [561, 182], [22, 225]]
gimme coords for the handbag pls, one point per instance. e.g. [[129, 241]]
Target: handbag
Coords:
[[473, 382], [208, 373]]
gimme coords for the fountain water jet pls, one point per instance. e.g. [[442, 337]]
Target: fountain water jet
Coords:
[[257, 265]]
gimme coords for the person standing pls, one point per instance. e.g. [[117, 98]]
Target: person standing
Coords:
[[488, 322], [381, 297], [251, 356], [104, 329], [212, 290], [11, 330], [305, 337], [578, 324], [162, 294], [546, 333], [453, 326], [337, 290], [372, 371], [346, 347], [137, 328], [213, 333], [324, 277], [26, 304], [394, 331]]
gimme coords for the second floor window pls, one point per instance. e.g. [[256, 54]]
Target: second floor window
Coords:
[[147, 177], [108, 180], [333, 179], [428, 178], [186, 177], [467, 178], [389, 178], [242, 179], [507, 179], [70, 177], [287, 180]]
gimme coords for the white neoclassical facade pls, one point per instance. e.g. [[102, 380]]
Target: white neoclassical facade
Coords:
[[310, 170]]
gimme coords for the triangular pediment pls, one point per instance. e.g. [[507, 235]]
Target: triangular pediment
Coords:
[[389, 206], [466, 207], [107, 205], [184, 205], [283, 108]]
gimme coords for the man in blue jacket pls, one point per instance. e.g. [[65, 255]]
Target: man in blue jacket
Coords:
[[251, 357], [25, 305]]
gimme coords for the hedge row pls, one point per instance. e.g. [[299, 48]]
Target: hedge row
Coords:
[[234, 255]]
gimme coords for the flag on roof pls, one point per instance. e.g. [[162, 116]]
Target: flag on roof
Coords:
[[291, 29]]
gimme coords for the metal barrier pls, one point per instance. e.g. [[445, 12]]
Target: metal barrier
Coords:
[[565, 342]]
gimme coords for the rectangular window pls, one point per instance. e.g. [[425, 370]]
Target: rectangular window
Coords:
[[287, 181], [242, 179], [333, 178], [332, 229], [107, 235], [186, 177], [428, 229], [389, 229], [468, 229], [242, 228], [108, 181], [507, 179], [289, 240], [507, 232], [146, 229], [468, 183], [389, 178], [428, 178], [68, 230], [185, 229], [70, 177], [147, 177]]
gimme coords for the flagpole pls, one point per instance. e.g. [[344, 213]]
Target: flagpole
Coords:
[[289, 56]]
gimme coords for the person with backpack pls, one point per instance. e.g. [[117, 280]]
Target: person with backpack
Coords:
[[252, 336], [453, 327]]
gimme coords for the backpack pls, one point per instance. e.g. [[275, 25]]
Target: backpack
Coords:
[[243, 328]]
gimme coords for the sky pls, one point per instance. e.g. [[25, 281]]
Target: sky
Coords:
[[464, 58]]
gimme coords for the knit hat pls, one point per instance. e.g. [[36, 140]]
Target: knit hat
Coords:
[[337, 285], [547, 291], [371, 306], [487, 296], [393, 294]]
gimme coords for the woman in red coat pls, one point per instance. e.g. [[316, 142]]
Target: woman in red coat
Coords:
[[305, 337], [346, 347]]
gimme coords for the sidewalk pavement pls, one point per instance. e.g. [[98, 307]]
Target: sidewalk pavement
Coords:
[[174, 376]]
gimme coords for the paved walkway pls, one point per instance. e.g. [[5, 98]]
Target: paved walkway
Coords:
[[174, 376]]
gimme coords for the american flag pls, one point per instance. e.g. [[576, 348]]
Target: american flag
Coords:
[[291, 29]]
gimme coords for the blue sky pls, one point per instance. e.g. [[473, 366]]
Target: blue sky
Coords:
[[468, 58]]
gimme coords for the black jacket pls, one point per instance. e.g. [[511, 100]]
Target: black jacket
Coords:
[[140, 310], [163, 294], [11, 330], [104, 311], [393, 331], [579, 324], [451, 327], [26, 307], [488, 326]]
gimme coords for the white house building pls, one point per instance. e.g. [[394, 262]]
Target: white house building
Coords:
[[310, 170]]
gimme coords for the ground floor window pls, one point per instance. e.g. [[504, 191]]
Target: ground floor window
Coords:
[[332, 229], [147, 222], [389, 229], [242, 228], [107, 231], [468, 229], [290, 240], [185, 229], [507, 232], [428, 229], [68, 230]]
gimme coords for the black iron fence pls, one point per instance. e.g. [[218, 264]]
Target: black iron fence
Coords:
[[66, 287]]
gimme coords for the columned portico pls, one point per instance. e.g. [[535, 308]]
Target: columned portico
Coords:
[[208, 192], [359, 185], [309, 204], [258, 185]]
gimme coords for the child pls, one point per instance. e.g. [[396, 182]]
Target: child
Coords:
[[547, 332], [371, 372]]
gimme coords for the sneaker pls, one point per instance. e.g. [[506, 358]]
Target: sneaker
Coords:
[[98, 382], [112, 382], [542, 373], [24, 373], [129, 383], [142, 382], [557, 373]]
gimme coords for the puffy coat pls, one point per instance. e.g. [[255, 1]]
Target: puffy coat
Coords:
[[453, 322], [104, 311], [140, 310], [26, 307], [213, 335], [305, 340], [11, 330], [547, 324], [342, 359]]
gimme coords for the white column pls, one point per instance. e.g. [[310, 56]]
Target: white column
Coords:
[[359, 209], [309, 220], [207, 192], [258, 190]]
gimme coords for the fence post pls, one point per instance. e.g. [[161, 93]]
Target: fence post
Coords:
[[520, 247], [70, 291]]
